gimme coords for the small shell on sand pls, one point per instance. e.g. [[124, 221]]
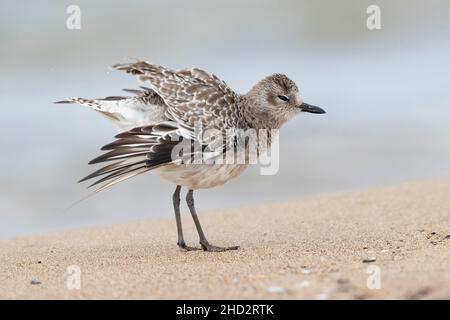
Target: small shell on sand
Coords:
[[275, 289]]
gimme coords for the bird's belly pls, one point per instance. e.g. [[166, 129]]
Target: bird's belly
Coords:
[[200, 176]]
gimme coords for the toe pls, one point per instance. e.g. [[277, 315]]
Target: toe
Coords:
[[187, 248], [211, 248]]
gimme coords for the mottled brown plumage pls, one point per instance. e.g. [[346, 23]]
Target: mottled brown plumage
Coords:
[[184, 106]]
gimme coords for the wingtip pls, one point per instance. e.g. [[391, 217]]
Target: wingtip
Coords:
[[134, 91], [120, 66], [93, 161], [114, 66], [88, 177], [109, 146], [131, 67], [101, 158], [62, 101]]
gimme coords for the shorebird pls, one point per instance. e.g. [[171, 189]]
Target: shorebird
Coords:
[[169, 109]]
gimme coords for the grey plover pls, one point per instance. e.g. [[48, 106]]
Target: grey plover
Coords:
[[169, 108]]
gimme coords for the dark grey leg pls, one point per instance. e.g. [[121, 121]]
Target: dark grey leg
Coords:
[[176, 206], [204, 243]]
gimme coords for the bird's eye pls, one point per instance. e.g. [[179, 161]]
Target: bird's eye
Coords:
[[284, 98]]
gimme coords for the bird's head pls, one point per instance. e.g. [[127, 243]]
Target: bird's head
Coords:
[[277, 97]]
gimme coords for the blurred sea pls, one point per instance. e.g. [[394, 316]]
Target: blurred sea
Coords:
[[386, 93]]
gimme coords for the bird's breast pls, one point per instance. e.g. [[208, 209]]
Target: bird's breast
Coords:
[[200, 176]]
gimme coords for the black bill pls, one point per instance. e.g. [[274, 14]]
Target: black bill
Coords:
[[311, 109]]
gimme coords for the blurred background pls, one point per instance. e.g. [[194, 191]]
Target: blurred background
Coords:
[[386, 93]]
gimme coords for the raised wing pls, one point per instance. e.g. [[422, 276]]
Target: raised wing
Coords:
[[146, 107], [145, 148], [134, 152], [194, 97]]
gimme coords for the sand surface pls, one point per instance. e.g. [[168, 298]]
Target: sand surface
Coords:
[[312, 248]]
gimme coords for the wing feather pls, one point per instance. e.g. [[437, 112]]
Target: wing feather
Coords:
[[135, 151], [194, 97]]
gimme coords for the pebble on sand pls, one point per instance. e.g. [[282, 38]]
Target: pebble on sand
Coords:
[[275, 289], [370, 259], [305, 270]]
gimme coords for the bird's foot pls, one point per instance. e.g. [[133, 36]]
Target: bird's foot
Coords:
[[209, 247], [184, 247]]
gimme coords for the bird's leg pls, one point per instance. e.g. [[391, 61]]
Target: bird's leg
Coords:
[[204, 243], [176, 207]]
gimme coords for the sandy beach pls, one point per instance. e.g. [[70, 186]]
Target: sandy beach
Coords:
[[385, 243]]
